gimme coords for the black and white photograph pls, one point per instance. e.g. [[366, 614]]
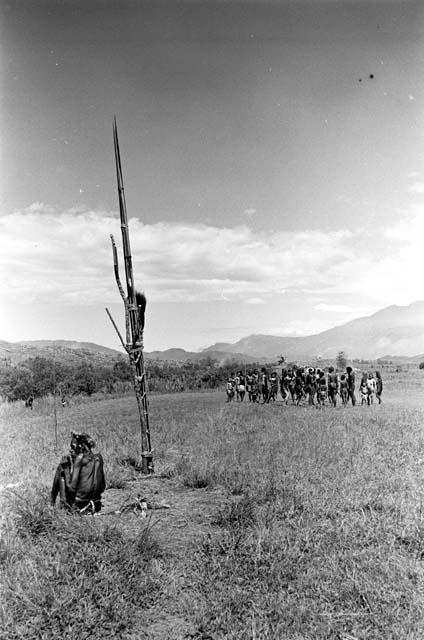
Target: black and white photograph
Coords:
[[212, 319]]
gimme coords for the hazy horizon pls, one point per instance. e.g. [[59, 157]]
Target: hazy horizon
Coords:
[[201, 349]]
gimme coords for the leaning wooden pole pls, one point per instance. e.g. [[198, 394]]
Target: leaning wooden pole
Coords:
[[134, 304]]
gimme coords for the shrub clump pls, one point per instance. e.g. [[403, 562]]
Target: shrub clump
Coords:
[[237, 515]]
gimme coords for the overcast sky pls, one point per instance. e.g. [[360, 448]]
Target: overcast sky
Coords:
[[273, 163]]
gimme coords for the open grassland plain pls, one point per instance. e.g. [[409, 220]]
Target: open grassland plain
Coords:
[[284, 522]]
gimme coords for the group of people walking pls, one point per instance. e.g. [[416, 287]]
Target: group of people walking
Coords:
[[311, 385]]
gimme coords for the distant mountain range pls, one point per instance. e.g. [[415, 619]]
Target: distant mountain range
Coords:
[[181, 355], [395, 331], [69, 351], [392, 332]]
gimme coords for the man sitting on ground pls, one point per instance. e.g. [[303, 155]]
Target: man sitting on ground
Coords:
[[79, 478]]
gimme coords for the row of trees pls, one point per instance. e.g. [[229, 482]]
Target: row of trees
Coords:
[[42, 376]]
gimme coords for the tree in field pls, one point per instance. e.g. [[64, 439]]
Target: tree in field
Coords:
[[42, 371], [85, 379], [16, 383], [341, 360], [122, 371]]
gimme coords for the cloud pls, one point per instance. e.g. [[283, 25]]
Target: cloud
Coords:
[[40, 207], [416, 187], [296, 328], [340, 308], [66, 257]]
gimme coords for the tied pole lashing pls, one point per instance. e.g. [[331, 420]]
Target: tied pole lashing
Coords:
[[135, 307]]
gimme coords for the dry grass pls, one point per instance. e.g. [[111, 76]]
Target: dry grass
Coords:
[[286, 522], [73, 579]]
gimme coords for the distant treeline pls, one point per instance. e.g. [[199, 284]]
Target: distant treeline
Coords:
[[42, 376], [207, 373]]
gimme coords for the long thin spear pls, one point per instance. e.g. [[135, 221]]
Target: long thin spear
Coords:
[[134, 304]]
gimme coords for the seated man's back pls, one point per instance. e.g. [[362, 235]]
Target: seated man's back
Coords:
[[80, 476]]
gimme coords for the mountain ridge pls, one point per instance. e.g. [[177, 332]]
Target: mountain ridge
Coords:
[[398, 330], [70, 351], [394, 331]]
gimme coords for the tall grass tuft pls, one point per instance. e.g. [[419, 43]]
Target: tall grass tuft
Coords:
[[67, 575], [32, 515]]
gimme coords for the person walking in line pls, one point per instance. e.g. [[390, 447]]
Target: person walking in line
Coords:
[[333, 386], [378, 386], [310, 385], [241, 386], [344, 391], [371, 385], [363, 390], [299, 386], [284, 385], [264, 385], [230, 388], [321, 389], [273, 387], [291, 383], [249, 383], [351, 385], [237, 385], [255, 386]]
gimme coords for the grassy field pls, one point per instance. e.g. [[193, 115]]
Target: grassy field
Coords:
[[284, 522]]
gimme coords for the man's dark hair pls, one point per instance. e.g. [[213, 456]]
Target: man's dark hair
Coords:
[[81, 442]]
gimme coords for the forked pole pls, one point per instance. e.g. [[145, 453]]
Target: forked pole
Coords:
[[134, 304]]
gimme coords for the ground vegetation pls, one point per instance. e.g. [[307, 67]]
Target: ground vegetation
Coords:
[[283, 522], [41, 376]]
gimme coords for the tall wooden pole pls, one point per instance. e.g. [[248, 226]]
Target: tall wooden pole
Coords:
[[134, 319], [54, 397]]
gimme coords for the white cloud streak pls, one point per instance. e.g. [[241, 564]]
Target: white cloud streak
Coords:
[[66, 257], [416, 187], [340, 308], [296, 328]]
